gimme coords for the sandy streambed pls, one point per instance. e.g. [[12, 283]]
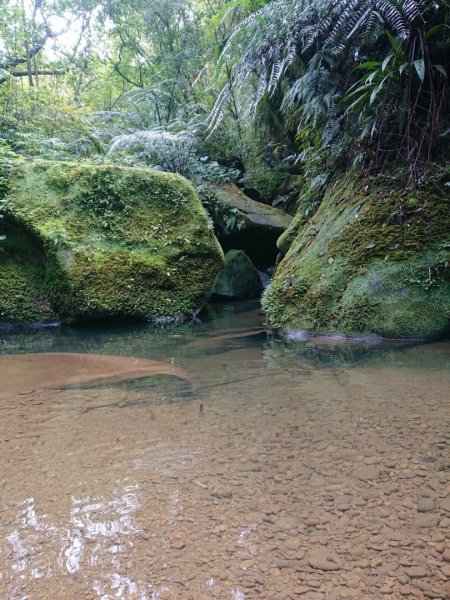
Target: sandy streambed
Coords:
[[53, 370], [275, 480]]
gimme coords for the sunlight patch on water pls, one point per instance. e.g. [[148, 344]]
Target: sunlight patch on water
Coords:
[[94, 527]]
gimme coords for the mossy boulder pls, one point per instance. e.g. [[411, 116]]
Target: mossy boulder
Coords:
[[373, 259], [307, 203], [23, 297], [250, 213], [245, 224], [114, 242], [238, 278]]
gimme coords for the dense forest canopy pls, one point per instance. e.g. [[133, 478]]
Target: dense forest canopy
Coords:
[[242, 89]]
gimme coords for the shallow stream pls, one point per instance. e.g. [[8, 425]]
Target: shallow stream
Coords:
[[244, 467]]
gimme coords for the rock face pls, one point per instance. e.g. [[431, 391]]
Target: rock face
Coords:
[[243, 223], [23, 296], [238, 278], [374, 259], [88, 242]]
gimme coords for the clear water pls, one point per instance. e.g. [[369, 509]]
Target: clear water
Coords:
[[269, 469]]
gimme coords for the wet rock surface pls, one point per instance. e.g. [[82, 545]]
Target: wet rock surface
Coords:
[[265, 483]]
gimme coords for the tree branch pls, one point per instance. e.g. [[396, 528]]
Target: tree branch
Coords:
[[4, 78], [19, 60]]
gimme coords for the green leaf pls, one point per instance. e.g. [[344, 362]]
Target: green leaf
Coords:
[[373, 95], [357, 102], [386, 61], [419, 65], [362, 88], [441, 70], [370, 64], [435, 29], [374, 127], [396, 46]]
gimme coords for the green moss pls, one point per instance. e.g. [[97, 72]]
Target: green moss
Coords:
[[238, 278], [308, 202], [409, 298], [8, 168], [23, 298], [117, 241], [266, 180], [364, 232], [285, 240], [392, 225], [232, 204]]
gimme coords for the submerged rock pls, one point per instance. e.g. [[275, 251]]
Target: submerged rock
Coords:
[[49, 371], [374, 259], [103, 241], [238, 278], [246, 224]]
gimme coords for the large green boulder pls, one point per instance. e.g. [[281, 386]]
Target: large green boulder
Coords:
[[102, 241], [238, 278], [373, 259]]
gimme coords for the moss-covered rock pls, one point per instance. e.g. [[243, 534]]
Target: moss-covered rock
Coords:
[[248, 212], [246, 224], [307, 203], [23, 298], [238, 278], [115, 242], [374, 259]]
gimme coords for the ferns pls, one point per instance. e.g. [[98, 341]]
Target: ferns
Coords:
[[349, 18], [161, 149], [265, 48], [217, 113], [306, 54]]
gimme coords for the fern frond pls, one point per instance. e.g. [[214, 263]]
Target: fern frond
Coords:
[[394, 18], [261, 89], [411, 10], [218, 112], [276, 72], [360, 18]]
